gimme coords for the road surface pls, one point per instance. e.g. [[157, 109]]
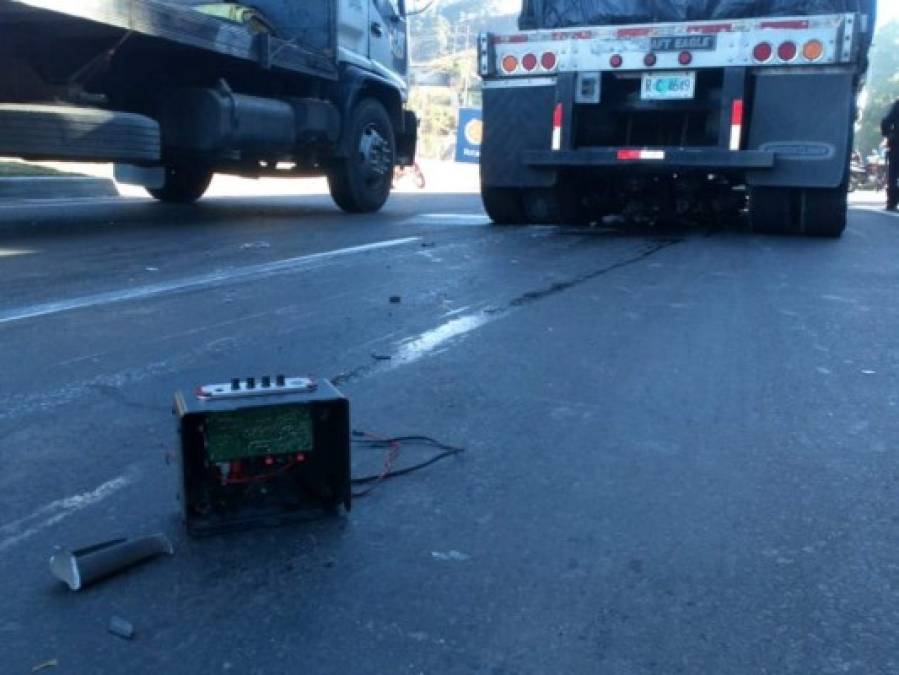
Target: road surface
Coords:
[[681, 446]]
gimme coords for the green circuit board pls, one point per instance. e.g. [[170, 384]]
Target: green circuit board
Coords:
[[259, 432]]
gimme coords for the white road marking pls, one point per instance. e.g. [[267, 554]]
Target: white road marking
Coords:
[[459, 219], [412, 349], [188, 283], [69, 201], [19, 530], [10, 252], [875, 209]]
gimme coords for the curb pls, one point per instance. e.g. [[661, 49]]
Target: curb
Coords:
[[56, 187]]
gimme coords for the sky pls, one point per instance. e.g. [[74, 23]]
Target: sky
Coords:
[[887, 10]]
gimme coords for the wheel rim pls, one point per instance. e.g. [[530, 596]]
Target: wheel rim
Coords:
[[376, 156]]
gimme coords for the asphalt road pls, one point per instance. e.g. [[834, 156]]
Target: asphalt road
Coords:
[[681, 446]]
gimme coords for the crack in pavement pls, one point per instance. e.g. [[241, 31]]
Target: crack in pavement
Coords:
[[418, 346]]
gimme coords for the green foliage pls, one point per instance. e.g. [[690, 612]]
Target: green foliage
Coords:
[[882, 88], [443, 41]]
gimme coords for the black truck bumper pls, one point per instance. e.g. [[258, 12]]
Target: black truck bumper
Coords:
[[672, 159]]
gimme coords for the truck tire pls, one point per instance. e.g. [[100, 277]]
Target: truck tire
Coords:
[[562, 205], [771, 210], [184, 184], [361, 183], [503, 205], [541, 207], [823, 212], [68, 132]]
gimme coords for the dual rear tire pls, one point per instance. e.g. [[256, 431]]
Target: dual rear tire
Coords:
[[561, 205], [798, 212]]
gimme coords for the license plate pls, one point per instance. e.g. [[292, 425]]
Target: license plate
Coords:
[[668, 86]]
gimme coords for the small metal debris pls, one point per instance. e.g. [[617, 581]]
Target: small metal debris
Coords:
[[381, 357], [450, 555], [152, 269], [84, 566], [395, 299], [52, 663], [121, 627], [255, 244]]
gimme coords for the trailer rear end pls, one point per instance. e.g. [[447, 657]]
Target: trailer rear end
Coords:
[[675, 120]]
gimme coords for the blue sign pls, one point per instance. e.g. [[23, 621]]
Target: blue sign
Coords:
[[468, 135]]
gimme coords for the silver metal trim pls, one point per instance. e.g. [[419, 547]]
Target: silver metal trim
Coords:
[[292, 385], [520, 82]]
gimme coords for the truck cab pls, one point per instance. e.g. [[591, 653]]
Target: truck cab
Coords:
[[174, 91]]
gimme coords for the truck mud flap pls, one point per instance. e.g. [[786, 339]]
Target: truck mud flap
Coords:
[[517, 119], [805, 120]]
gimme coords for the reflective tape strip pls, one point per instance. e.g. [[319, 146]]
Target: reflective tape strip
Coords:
[[736, 125], [625, 155], [558, 113], [512, 83]]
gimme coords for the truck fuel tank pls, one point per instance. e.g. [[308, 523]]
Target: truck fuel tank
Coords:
[[219, 121]]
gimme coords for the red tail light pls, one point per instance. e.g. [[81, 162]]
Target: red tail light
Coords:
[[650, 60], [548, 60], [787, 51], [685, 58], [762, 52], [616, 61], [528, 61]]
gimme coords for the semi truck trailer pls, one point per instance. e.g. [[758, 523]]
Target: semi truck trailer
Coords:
[[693, 110], [173, 91]]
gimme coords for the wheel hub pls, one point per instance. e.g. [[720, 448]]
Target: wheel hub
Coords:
[[375, 153]]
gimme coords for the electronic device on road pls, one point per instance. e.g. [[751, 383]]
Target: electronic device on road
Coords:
[[261, 450]]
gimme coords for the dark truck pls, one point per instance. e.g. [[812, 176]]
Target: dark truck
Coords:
[[176, 90], [677, 110]]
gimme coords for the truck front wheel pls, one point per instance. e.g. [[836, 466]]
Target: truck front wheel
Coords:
[[361, 182], [184, 184]]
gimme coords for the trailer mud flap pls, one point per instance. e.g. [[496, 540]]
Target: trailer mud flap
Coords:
[[516, 119], [805, 120]]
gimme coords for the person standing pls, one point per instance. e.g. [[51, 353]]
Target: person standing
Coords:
[[889, 127]]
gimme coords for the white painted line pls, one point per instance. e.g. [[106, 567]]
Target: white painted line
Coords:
[[188, 283], [417, 347], [457, 219], [454, 216], [70, 201], [10, 252], [19, 530], [875, 209]]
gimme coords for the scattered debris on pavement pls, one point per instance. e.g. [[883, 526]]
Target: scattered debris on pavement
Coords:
[[450, 555], [395, 299], [121, 627], [51, 663], [84, 566]]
